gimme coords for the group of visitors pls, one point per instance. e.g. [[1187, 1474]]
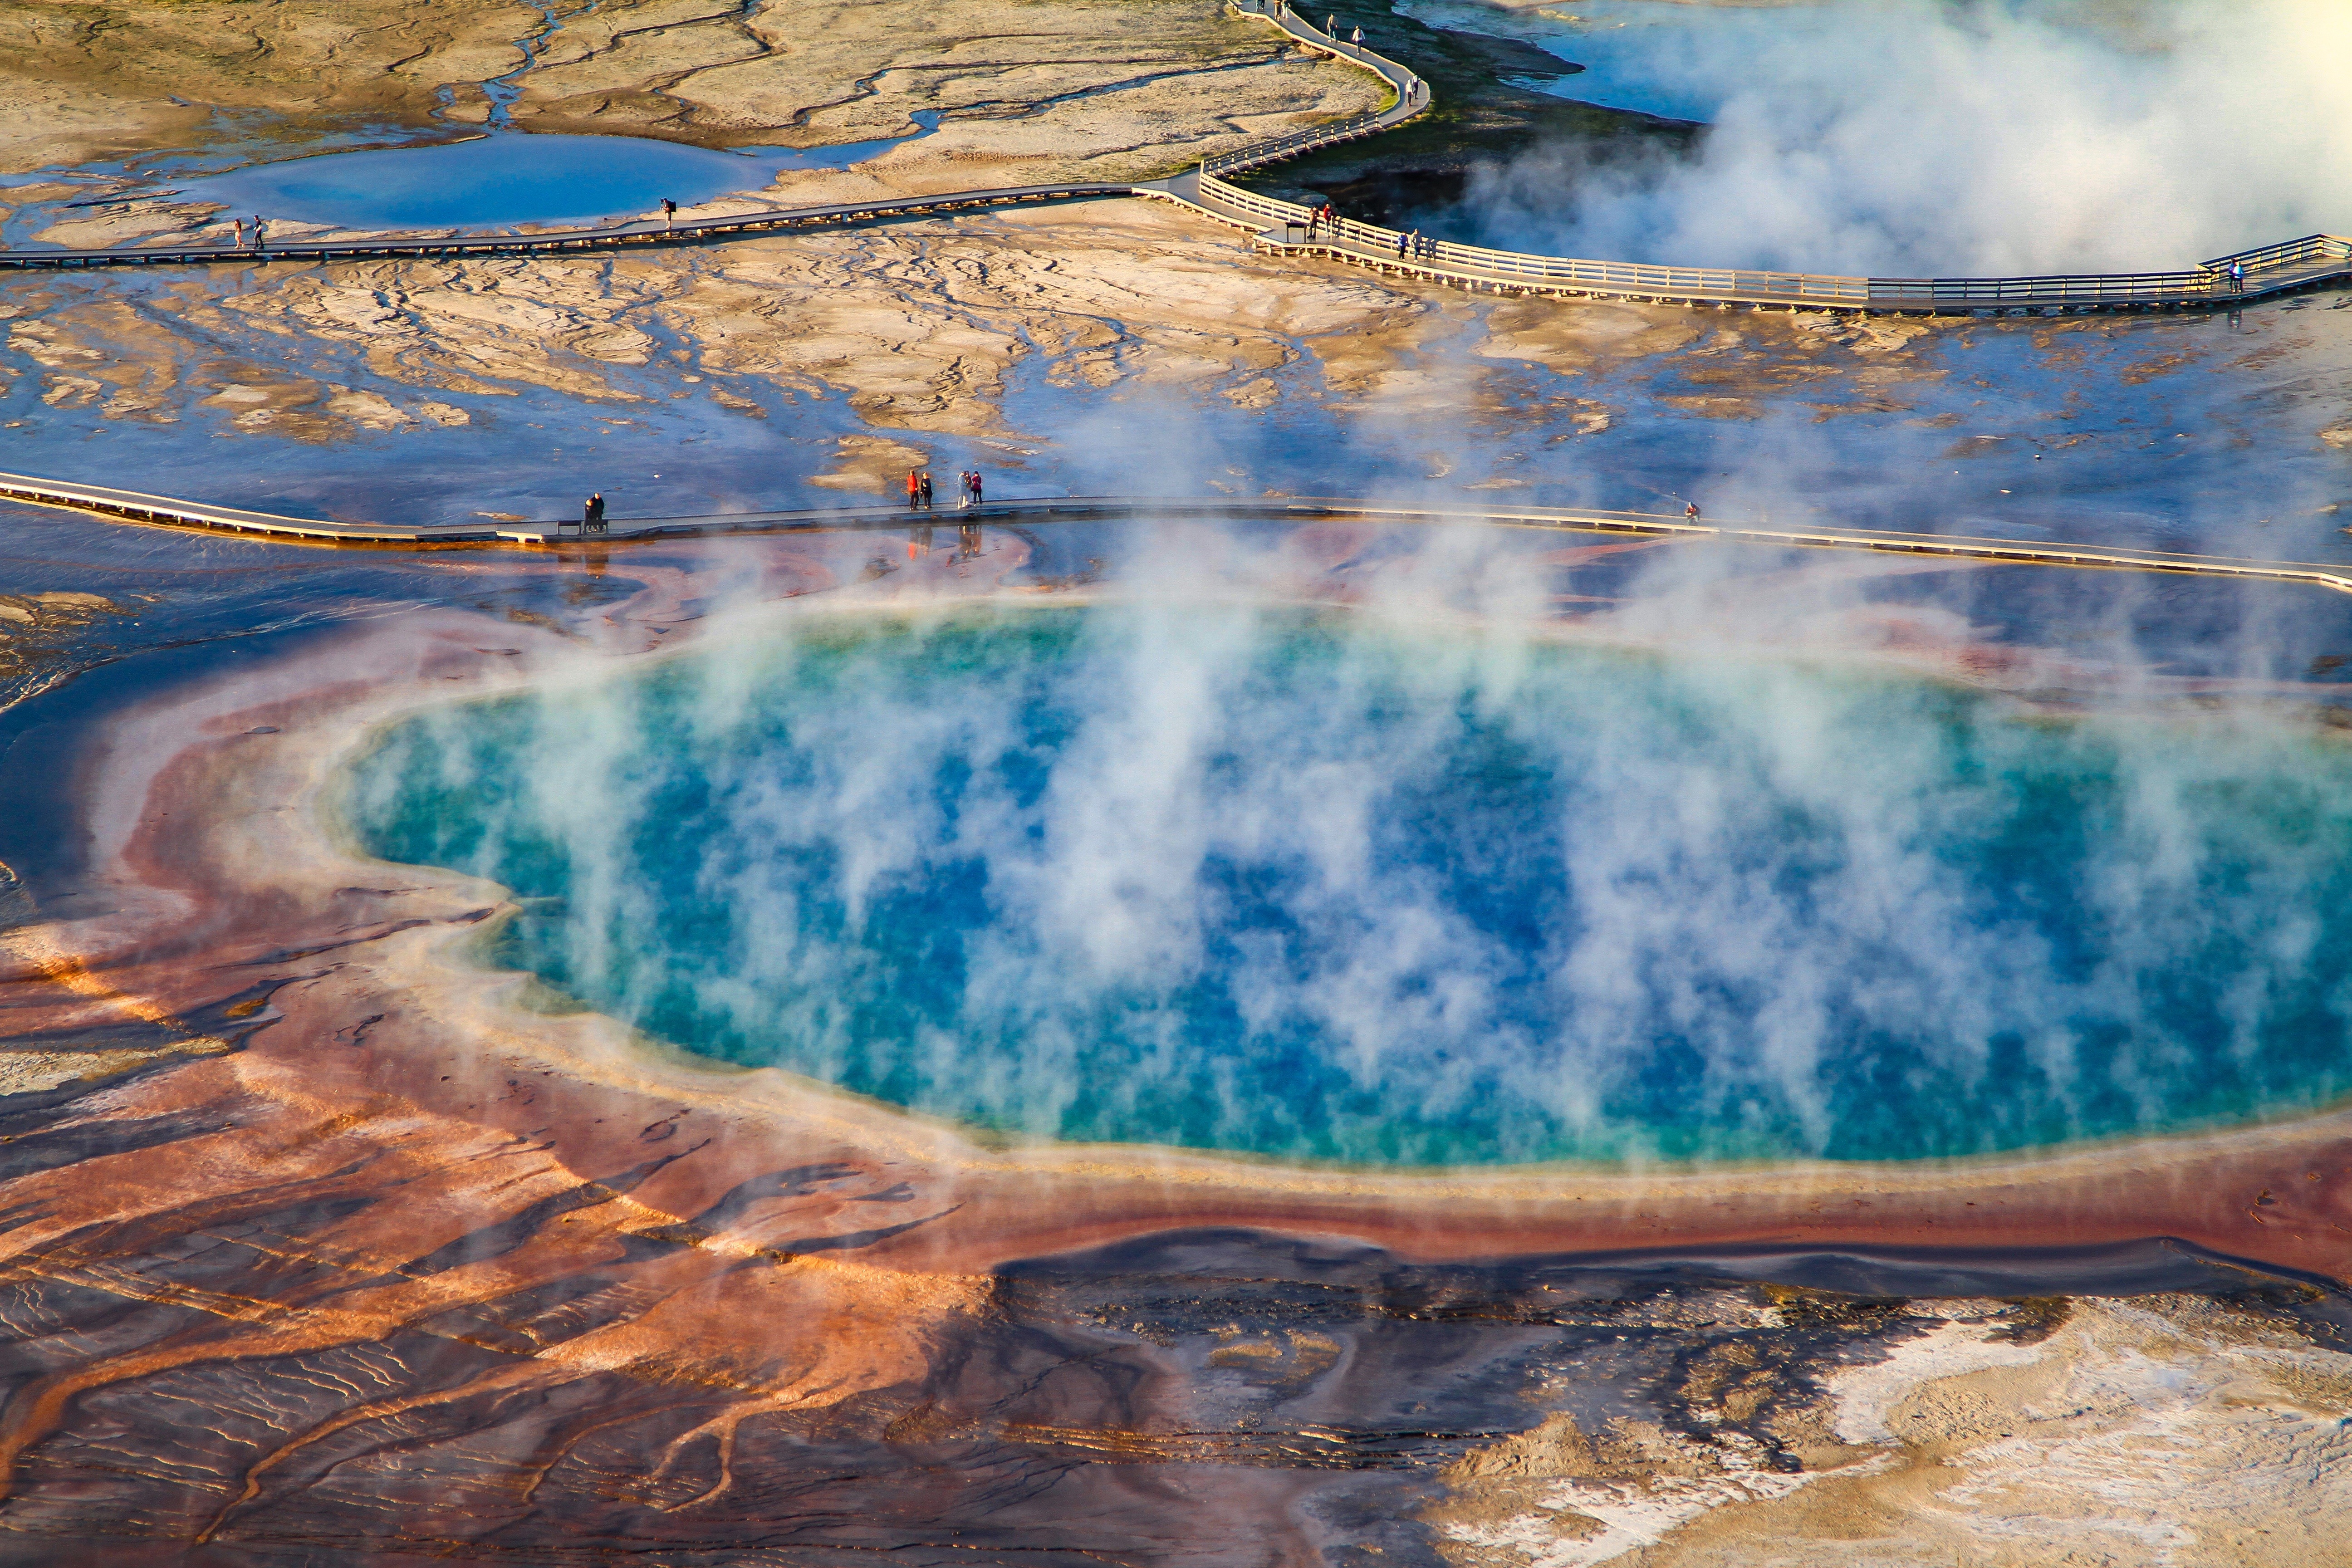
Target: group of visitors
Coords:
[[919, 489], [1324, 222]]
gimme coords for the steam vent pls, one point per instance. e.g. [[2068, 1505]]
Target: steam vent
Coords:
[[1176, 784]]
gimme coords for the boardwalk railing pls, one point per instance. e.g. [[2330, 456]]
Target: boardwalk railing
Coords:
[[137, 506], [2310, 249], [1301, 227], [1411, 95]]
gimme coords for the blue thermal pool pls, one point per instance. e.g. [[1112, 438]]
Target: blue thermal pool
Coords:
[[1667, 57], [510, 178], [1331, 888]]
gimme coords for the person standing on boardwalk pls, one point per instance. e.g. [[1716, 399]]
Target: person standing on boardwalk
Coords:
[[975, 486], [1358, 39], [670, 215], [2237, 276], [914, 488], [927, 489], [592, 516], [1690, 511]]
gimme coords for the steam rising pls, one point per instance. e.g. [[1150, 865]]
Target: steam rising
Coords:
[[1217, 873], [1913, 139]]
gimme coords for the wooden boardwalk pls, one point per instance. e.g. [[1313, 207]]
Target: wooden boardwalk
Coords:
[[165, 511], [557, 242], [1287, 228]]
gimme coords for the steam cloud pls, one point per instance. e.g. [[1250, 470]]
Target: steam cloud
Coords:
[[1915, 139], [1194, 870]]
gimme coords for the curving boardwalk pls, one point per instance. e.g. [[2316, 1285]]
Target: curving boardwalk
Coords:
[[166, 510], [1287, 228]]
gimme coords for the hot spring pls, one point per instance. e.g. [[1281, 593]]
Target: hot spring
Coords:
[[1341, 889]]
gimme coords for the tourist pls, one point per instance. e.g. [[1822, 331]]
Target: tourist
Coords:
[[914, 488], [927, 489], [1358, 39], [1330, 26], [975, 486], [592, 516], [2237, 276], [1691, 512], [1401, 241], [670, 215]]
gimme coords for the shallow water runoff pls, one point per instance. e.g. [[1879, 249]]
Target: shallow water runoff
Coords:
[[1335, 888]]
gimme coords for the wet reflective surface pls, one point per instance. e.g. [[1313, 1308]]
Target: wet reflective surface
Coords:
[[1661, 57], [2183, 434], [492, 182]]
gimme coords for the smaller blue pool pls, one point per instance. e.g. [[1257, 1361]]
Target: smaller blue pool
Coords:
[[494, 181]]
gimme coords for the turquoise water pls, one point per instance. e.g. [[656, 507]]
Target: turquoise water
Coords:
[[492, 181], [1331, 889]]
